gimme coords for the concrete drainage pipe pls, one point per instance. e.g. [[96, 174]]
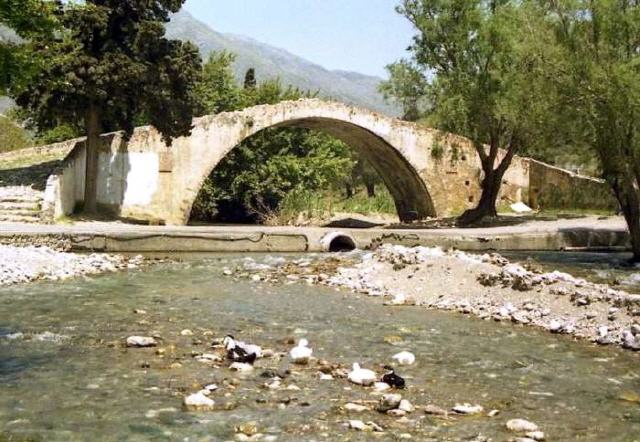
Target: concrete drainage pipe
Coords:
[[337, 242]]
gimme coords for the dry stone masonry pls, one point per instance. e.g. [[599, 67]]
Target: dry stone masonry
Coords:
[[427, 172]]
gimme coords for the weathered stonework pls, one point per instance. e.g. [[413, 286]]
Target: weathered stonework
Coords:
[[427, 172]]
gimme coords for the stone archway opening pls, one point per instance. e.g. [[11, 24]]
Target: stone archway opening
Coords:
[[406, 188]]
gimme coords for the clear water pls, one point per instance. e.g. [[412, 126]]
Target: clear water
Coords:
[[88, 387]]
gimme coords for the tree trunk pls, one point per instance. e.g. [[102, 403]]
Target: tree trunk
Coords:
[[490, 184], [628, 195], [93, 130], [487, 205], [348, 190], [371, 189]]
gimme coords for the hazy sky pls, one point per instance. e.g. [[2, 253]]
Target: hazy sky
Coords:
[[354, 35]]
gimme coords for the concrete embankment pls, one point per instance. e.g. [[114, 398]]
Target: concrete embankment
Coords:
[[588, 233]]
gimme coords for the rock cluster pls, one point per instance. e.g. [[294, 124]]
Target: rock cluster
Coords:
[[31, 263], [487, 286]]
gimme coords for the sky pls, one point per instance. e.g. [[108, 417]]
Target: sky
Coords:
[[354, 35]]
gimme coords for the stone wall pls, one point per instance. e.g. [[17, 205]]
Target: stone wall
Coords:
[[428, 173], [554, 188]]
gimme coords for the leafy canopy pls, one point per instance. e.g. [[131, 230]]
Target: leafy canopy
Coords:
[[111, 55]]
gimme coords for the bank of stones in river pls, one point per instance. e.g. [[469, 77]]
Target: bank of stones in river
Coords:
[[32, 263], [487, 286]]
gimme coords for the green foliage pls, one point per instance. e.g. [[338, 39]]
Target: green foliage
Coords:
[[218, 89], [57, 134], [12, 136], [29, 19], [250, 81], [407, 87], [107, 66], [437, 150], [597, 76], [486, 78], [316, 205]]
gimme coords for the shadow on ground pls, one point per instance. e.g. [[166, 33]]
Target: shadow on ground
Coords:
[[34, 176], [500, 221]]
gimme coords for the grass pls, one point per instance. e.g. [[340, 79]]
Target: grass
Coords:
[[323, 205], [29, 160]]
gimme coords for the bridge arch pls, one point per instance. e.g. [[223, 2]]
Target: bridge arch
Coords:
[[366, 132]]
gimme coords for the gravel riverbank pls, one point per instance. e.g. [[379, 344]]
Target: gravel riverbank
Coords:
[[487, 286], [25, 264]]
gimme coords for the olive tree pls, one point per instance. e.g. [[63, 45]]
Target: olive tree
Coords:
[[484, 73]]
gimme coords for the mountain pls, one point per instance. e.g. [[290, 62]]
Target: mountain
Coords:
[[268, 61]]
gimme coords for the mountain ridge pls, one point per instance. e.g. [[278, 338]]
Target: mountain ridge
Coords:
[[270, 61]]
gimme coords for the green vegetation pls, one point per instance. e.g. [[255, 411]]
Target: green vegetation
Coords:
[[108, 67], [12, 136], [478, 65], [315, 206], [597, 76]]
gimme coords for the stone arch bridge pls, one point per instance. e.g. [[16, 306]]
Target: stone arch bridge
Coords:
[[427, 172]]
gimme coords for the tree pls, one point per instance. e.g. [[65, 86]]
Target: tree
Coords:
[[109, 66], [486, 80], [218, 89], [407, 87], [28, 19], [12, 136], [598, 76], [250, 79]]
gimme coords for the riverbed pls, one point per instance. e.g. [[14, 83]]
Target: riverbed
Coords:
[[66, 375]]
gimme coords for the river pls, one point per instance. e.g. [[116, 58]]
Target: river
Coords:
[[65, 374]]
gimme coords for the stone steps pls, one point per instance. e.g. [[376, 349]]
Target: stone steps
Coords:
[[20, 205]]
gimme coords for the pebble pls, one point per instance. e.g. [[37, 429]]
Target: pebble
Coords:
[[389, 402], [521, 426], [241, 367], [536, 435], [141, 341], [379, 387], [407, 406], [467, 408], [435, 410], [25, 264], [555, 326], [358, 425], [355, 407], [248, 428], [199, 402]]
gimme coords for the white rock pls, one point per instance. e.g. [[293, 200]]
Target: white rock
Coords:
[[467, 408], [241, 367], [141, 341], [535, 435], [199, 401], [407, 406], [358, 425], [521, 426], [404, 358], [381, 386], [355, 407]]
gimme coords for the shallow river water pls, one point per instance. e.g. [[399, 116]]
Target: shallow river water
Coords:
[[70, 378]]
